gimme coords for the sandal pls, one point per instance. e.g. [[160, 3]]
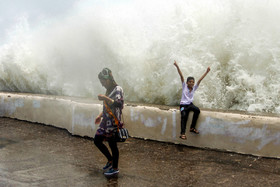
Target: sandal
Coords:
[[194, 131], [183, 137]]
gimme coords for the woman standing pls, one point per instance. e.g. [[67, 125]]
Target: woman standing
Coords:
[[112, 105]]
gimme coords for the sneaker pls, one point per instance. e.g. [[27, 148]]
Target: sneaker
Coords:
[[107, 166], [111, 171]]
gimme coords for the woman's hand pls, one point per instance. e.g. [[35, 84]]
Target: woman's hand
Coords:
[[105, 98], [101, 97], [97, 119]]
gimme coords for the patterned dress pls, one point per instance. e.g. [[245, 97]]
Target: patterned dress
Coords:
[[107, 125]]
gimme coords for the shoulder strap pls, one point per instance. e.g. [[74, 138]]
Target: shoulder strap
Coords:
[[111, 114]]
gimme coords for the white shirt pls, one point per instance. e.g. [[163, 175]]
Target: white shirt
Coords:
[[187, 96]]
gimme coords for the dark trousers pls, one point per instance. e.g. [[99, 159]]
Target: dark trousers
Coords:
[[185, 115], [98, 141]]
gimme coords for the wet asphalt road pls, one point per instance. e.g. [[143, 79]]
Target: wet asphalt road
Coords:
[[37, 155]]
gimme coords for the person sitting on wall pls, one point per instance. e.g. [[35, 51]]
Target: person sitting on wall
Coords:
[[186, 104]]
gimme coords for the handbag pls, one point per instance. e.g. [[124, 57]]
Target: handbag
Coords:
[[121, 134]]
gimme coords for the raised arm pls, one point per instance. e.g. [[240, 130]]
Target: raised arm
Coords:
[[179, 71], [202, 77]]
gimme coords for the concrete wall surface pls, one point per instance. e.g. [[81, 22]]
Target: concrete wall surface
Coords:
[[241, 133]]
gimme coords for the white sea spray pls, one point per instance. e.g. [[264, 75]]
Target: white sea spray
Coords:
[[139, 40]]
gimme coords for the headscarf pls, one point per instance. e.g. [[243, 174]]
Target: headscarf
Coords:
[[106, 74]]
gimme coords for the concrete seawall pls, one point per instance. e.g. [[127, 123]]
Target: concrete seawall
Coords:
[[241, 133]]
